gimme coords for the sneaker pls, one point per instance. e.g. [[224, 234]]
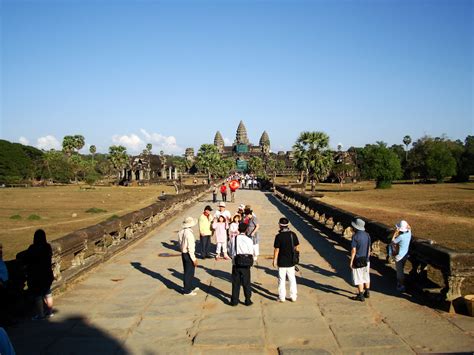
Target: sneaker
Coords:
[[192, 293], [195, 289], [37, 317], [281, 300], [293, 299], [359, 297], [401, 288], [248, 303], [367, 294]]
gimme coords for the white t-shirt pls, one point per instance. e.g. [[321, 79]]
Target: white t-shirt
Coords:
[[225, 213]]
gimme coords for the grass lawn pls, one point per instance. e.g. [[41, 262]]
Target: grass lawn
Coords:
[[63, 209], [442, 212]]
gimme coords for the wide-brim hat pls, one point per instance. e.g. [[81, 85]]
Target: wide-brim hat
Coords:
[[189, 222], [358, 224], [402, 226], [221, 204]]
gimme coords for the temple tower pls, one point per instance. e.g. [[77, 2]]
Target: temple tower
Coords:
[[241, 136], [219, 141], [265, 143]]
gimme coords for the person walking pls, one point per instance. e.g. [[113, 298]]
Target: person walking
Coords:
[[205, 232], [224, 192], [40, 274], [252, 231], [402, 238], [285, 244], [241, 249], [187, 245], [360, 263], [214, 193]]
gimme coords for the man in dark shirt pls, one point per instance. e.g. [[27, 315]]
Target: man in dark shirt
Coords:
[[360, 248], [286, 242]]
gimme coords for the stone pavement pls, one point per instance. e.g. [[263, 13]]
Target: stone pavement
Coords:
[[133, 304]]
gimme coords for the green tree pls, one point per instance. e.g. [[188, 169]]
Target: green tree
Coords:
[[149, 147], [313, 149], [440, 162], [118, 157], [57, 167], [19, 162], [300, 161], [406, 141], [466, 167], [256, 166], [208, 159], [224, 167], [93, 150], [380, 163]]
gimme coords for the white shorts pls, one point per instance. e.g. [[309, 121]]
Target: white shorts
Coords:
[[361, 275]]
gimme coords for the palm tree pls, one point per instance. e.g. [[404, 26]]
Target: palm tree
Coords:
[[208, 159], [149, 147], [312, 152], [69, 143], [118, 157], [93, 150], [406, 141], [300, 161]]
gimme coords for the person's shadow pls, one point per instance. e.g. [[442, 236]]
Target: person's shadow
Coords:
[[310, 283], [174, 245], [168, 283], [209, 289]]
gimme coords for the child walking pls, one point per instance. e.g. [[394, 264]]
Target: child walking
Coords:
[[220, 227]]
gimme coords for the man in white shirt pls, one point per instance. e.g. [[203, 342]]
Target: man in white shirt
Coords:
[[223, 212], [241, 274], [187, 245]]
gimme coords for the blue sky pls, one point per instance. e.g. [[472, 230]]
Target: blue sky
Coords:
[[174, 72]]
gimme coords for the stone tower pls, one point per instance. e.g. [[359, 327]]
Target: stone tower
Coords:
[[265, 143], [241, 136], [219, 141]]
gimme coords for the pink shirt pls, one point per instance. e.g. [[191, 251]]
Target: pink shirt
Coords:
[[233, 229], [220, 230]]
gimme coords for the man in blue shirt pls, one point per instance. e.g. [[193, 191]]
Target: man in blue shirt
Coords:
[[360, 264], [402, 237]]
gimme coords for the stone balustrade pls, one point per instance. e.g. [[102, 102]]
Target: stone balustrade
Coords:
[[456, 268], [79, 251]]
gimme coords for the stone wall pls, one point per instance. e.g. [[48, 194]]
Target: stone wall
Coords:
[[79, 251], [457, 268]]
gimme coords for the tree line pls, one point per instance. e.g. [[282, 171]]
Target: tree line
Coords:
[[428, 158]]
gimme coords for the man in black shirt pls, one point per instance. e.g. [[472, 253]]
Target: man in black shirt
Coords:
[[286, 243]]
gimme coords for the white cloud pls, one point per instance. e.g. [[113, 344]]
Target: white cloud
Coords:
[[132, 142], [227, 141], [48, 142], [23, 140], [160, 142]]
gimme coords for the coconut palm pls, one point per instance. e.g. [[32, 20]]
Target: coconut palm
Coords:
[[312, 154], [118, 157], [208, 159], [406, 141]]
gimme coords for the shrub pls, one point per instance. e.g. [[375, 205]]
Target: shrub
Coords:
[[95, 210], [113, 217], [15, 216], [34, 217]]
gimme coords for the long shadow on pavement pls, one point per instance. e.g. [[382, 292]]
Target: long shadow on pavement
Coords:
[[211, 290], [226, 276], [168, 283], [309, 283], [338, 259], [73, 335]]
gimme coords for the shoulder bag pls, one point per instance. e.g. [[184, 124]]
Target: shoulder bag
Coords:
[[361, 261], [242, 260]]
